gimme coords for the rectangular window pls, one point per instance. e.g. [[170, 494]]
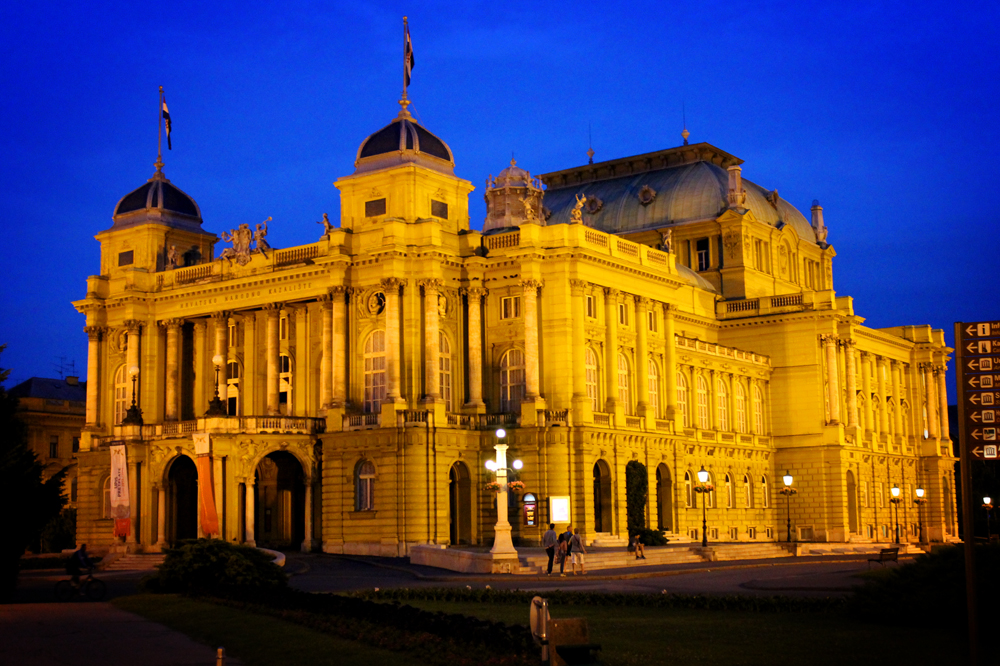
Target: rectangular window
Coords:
[[651, 320], [623, 314], [375, 208], [879, 497], [126, 258], [701, 254], [283, 328], [591, 310], [510, 307], [752, 532], [54, 446], [76, 445], [439, 209]]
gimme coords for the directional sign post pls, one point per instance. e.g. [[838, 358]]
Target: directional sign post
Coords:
[[977, 360]]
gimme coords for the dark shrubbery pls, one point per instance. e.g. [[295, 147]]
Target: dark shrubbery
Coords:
[[210, 566], [651, 537], [931, 590]]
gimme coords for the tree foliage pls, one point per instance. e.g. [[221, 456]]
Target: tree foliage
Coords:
[[209, 566], [636, 492], [29, 502]]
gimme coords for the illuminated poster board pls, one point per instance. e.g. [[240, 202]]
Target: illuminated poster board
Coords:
[[530, 509], [559, 509]]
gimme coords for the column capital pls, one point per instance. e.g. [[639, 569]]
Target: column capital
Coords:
[[642, 301], [474, 292], [828, 339], [578, 286], [338, 290], [893, 363], [391, 283], [669, 308], [864, 354], [940, 369], [272, 309], [221, 315], [848, 343], [170, 323], [94, 332], [430, 284], [611, 292], [880, 360], [530, 283], [200, 324], [132, 325]]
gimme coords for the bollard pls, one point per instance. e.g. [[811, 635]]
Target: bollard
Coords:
[[220, 657]]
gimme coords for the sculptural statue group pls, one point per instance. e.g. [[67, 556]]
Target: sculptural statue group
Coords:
[[242, 238]]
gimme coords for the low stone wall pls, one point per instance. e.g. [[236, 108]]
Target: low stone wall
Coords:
[[464, 561]]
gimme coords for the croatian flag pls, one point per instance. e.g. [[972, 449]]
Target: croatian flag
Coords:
[[407, 54], [166, 119]]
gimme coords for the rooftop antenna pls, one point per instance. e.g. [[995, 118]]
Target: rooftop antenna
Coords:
[[685, 132], [62, 367], [590, 142]]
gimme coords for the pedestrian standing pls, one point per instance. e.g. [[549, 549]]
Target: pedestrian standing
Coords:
[[549, 541], [578, 550], [561, 549]]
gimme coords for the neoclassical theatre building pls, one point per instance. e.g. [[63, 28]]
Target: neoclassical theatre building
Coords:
[[657, 312]]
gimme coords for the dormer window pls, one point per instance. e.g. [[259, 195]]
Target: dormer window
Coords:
[[375, 208]]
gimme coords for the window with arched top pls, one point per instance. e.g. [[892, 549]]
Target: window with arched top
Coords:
[[765, 490], [704, 422], [364, 486], [590, 362], [285, 384], [653, 385], [444, 370], [511, 381], [688, 491], [624, 389], [710, 496], [741, 408], [374, 360], [121, 402], [682, 398], [747, 491], [758, 411], [721, 405], [730, 496]]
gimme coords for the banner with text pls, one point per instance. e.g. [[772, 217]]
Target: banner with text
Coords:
[[206, 483], [121, 510]]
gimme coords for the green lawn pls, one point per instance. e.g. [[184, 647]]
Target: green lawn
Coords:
[[257, 639], [632, 635]]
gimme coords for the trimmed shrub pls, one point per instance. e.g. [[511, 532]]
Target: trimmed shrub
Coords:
[[209, 566], [651, 537]]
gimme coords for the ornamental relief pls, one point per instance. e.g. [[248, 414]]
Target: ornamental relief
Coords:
[[370, 302], [731, 242]]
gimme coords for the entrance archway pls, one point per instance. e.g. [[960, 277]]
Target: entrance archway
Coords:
[[460, 504], [182, 500], [280, 501], [664, 498], [603, 507], [852, 503]]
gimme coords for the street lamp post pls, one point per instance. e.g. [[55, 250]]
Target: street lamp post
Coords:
[[788, 491], [704, 488], [215, 406], [920, 501], [988, 505], [896, 499], [133, 416], [502, 542]]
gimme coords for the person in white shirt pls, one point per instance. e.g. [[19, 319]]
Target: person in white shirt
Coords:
[[578, 551], [549, 540]]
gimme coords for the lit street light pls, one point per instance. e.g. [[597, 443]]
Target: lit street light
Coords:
[[988, 505], [133, 416], [704, 488], [502, 543], [215, 406], [920, 501], [788, 491], [896, 499]]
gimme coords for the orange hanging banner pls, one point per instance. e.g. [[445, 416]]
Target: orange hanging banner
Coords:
[[206, 495]]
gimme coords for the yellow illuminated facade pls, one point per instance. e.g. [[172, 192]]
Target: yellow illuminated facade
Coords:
[[656, 309]]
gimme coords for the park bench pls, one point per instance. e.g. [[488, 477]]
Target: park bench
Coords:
[[885, 555], [565, 641]]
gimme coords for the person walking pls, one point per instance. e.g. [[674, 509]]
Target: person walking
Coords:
[[562, 547], [549, 541], [578, 550]]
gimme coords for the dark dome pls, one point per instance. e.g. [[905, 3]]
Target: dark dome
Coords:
[[158, 193], [404, 141]]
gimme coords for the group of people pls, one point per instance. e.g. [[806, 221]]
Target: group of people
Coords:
[[567, 545]]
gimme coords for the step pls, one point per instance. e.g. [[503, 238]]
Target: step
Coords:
[[137, 562]]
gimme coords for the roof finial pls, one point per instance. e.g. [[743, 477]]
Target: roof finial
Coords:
[[685, 132], [590, 142]]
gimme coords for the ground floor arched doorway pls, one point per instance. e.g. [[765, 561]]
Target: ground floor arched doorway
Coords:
[[460, 504], [852, 503], [182, 500], [603, 504], [664, 498], [280, 501]]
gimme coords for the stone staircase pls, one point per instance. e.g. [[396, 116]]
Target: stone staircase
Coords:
[[608, 540], [136, 562], [858, 548], [748, 551], [615, 558]]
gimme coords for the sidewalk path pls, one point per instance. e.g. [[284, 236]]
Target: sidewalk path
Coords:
[[93, 634]]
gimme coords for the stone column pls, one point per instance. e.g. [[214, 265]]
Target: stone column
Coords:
[[220, 325], [326, 356], [611, 348], [713, 400], [202, 361], [93, 387], [833, 385], [273, 311], [173, 362], [883, 415], [531, 353], [942, 391], [338, 366], [577, 310], [751, 407], [852, 385], [642, 357], [931, 400], [897, 395], [248, 382], [670, 357], [307, 542], [475, 295], [161, 517], [250, 512], [133, 498], [866, 388], [431, 341], [392, 351], [132, 360]]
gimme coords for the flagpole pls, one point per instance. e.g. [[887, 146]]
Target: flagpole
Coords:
[[159, 133], [405, 31]]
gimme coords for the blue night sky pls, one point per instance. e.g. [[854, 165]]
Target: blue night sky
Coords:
[[885, 112]]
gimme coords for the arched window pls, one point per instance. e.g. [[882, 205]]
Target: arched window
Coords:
[[285, 384], [590, 362], [511, 381], [106, 499], [121, 393], [730, 497], [747, 492], [741, 408], [364, 486], [758, 411], [624, 393], [653, 381], [765, 491], [703, 417], [232, 390], [722, 405], [374, 371], [444, 370], [688, 491], [682, 398], [710, 496]]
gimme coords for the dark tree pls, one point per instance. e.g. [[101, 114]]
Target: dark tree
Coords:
[[636, 491], [29, 503]]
